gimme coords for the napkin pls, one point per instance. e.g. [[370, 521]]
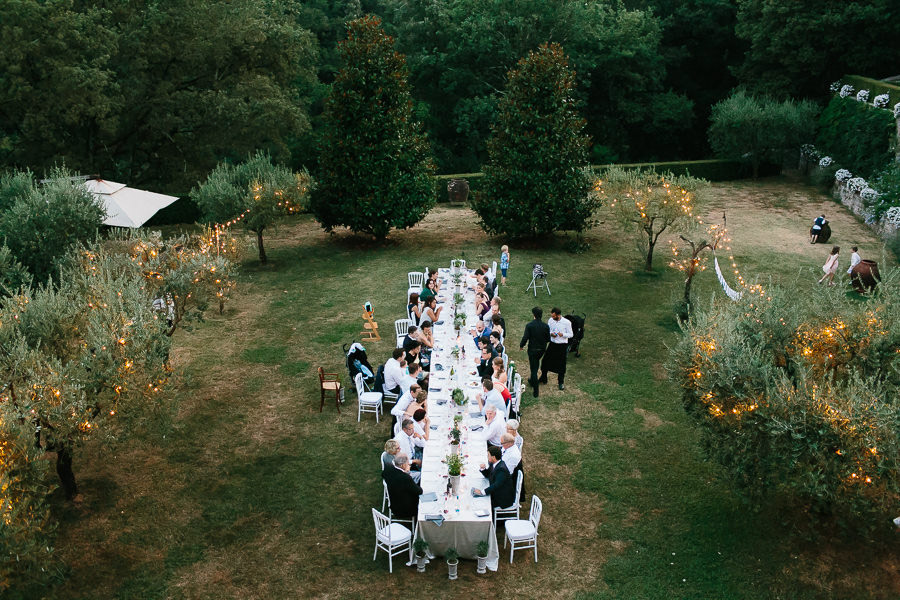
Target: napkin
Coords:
[[437, 519], [478, 496], [477, 428], [475, 414], [438, 368], [441, 322], [429, 497]]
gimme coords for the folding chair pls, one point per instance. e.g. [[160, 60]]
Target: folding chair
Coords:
[[523, 534], [393, 538], [401, 328], [515, 402], [329, 382], [368, 401], [416, 282], [507, 514]]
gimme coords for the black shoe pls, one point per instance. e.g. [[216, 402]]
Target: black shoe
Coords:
[[535, 392], [562, 387]]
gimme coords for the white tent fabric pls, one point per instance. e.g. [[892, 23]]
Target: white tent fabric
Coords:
[[125, 206], [733, 294]]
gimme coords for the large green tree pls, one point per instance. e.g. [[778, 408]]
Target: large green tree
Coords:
[[537, 179], [759, 129], [375, 164], [461, 51], [797, 48]]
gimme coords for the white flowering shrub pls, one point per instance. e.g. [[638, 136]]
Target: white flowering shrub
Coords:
[[825, 161], [835, 87], [882, 100], [857, 184], [843, 175], [868, 194], [846, 90], [892, 215], [897, 111], [809, 151], [862, 96]]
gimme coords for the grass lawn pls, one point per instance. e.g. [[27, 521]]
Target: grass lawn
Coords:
[[253, 493]]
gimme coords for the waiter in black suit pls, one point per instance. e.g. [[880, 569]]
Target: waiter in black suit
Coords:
[[537, 336], [502, 490], [403, 492]]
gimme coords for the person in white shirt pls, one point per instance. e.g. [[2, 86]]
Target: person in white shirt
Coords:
[[403, 402], [490, 397], [511, 455], [411, 444], [555, 357], [494, 426], [394, 373], [854, 259]]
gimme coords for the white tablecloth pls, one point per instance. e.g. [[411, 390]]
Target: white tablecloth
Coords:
[[462, 527]]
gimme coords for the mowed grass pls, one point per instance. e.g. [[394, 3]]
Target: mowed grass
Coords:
[[253, 493]]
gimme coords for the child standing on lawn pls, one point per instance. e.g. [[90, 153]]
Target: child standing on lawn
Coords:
[[504, 262]]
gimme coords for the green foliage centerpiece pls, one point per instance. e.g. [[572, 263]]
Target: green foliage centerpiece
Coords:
[[459, 397], [537, 178], [454, 470], [459, 321], [458, 299], [375, 165]]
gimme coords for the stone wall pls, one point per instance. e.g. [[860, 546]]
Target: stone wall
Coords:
[[851, 200]]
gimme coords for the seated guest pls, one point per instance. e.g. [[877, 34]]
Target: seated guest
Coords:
[[497, 341], [411, 336], [403, 492], [490, 397], [477, 332], [410, 444], [413, 309], [497, 325], [421, 423], [494, 426], [482, 302], [499, 375], [512, 428], [412, 353], [485, 358], [403, 403], [432, 310], [502, 488], [488, 288], [488, 317], [491, 276], [394, 373], [415, 374], [433, 278], [391, 448], [428, 292], [511, 454], [425, 337]]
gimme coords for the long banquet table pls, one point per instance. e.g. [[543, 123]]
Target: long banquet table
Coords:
[[455, 521]]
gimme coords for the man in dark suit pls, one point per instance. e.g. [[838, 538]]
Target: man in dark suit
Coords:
[[402, 490], [537, 336], [502, 489]]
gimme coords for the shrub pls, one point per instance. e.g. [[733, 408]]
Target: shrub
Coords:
[[795, 394], [856, 135], [537, 179]]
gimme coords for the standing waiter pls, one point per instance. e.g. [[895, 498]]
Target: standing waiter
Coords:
[[555, 358], [537, 336]]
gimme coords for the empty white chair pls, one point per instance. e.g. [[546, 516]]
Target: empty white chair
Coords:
[[494, 269], [368, 401], [523, 534], [515, 402], [393, 538], [512, 512], [401, 328], [385, 501], [416, 281], [505, 360]]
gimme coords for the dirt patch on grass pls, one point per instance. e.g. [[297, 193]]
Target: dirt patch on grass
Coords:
[[651, 420]]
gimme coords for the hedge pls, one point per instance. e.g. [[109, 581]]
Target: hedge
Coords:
[[874, 86], [856, 135]]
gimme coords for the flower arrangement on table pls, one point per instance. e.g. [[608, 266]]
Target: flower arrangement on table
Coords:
[[454, 465], [882, 100], [455, 435], [857, 184], [459, 320], [455, 352], [457, 279], [458, 299], [825, 161], [862, 96], [843, 175], [846, 90], [459, 397]]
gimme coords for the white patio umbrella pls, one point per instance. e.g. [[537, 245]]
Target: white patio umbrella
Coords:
[[125, 206]]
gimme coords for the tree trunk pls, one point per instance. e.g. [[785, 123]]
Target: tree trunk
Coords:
[[755, 169], [687, 289], [64, 470], [649, 265], [262, 249]]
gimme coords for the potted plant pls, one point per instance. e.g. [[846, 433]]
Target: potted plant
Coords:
[[454, 470], [459, 321], [452, 557], [454, 439], [420, 547], [455, 352], [459, 397], [458, 299], [481, 552]]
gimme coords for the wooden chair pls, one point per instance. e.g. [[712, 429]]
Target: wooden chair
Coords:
[[329, 382], [370, 328]]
